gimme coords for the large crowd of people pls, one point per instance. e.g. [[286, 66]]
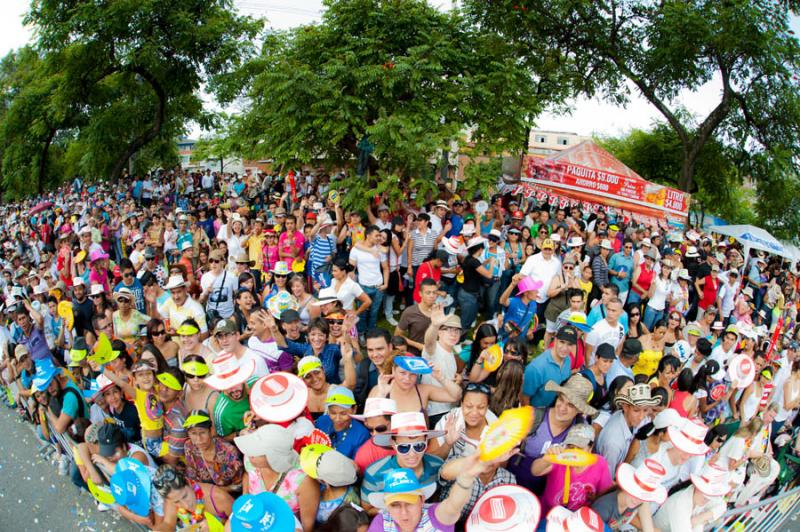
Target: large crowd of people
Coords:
[[240, 352]]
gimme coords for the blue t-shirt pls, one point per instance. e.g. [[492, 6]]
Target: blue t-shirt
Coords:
[[331, 356], [348, 441], [70, 404], [621, 263], [538, 372], [520, 313], [138, 292]]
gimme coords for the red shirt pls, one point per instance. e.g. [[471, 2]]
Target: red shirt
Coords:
[[425, 271], [710, 288], [368, 454]]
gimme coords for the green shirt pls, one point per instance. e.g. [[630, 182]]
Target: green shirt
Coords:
[[228, 413]]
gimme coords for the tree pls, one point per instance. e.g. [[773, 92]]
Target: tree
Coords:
[[134, 68], [381, 87], [657, 156], [664, 48]]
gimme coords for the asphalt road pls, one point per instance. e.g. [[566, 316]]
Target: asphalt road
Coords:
[[33, 497]]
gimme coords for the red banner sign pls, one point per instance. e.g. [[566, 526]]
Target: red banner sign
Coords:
[[570, 176]]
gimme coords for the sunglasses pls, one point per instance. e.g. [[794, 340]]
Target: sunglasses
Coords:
[[569, 268], [223, 334], [149, 258], [189, 376], [214, 261], [335, 322], [127, 274], [159, 333], [379, 428], [97, 296], [123, 300], [405, 448], [478, 387], [634, 314], [280, 276]]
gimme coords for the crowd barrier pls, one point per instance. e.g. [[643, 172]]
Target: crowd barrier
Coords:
[[765, 516], [67, 444]]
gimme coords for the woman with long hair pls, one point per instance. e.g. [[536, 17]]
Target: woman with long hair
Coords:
[[652, 350], [397, 243], [674, 331], [298, 288], [485, 336], [157, 335], [636, 327], [666, 372], [346, 289], [683, 402], [244, 305], [508, 391], [101, 304]]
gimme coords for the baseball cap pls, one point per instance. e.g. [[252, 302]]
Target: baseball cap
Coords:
[[226, 326], [568, 334], [340, 396], [605, 351], [290, 316], [109, 437]]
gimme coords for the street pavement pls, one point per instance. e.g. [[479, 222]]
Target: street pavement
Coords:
[[33, 497]]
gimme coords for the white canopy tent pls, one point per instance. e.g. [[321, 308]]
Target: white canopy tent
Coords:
[[752, 237]]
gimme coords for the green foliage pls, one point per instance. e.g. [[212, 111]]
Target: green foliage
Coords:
[[409, 78], [112, 81], [665, 48]]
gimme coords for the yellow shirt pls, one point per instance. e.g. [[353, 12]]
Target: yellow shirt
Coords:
[[647, 363], [254, 250], [149, 409]]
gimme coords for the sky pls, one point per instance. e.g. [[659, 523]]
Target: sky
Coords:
[[588, 116]]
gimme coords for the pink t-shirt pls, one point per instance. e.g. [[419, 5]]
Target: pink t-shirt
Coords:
[[583, 488], [368, 454], [96, 277], [285, 243]]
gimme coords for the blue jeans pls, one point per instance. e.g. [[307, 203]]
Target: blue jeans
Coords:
[[369, 319], [491, 295], [469, 308], [451, 287], [651, 316], [633, 297]]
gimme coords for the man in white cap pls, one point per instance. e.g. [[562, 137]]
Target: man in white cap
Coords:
[[441, 338], [180, 306]]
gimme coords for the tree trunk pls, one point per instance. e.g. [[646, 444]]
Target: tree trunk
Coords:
[[40, 178], [151, 133]]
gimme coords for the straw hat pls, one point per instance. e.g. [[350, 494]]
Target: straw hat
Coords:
[[637, 395], [578, 390]]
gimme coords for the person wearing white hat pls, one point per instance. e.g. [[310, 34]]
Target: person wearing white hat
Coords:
[[685, 439], [275, 467], [233, 379], [699, 504], [376, 419], [180, 306], [636, 486], [542, 266], [584, 519]]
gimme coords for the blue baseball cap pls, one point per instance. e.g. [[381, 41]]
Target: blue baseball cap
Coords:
[[263, 512], [412, 364], [45, 373]]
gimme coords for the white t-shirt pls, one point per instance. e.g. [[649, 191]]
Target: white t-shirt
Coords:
[[604, 333], [727, 294], [368, 267], [721, 356], [266, 350], [732, 451], [446, 362], [220, 300], [659, 299], [543, 270], [348, 292], [261, 364]]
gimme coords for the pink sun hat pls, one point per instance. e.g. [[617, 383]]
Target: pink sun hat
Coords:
[[529, 284]]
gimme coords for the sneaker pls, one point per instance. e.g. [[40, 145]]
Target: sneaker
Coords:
[[63, 466], [103, 507], [391, 321]]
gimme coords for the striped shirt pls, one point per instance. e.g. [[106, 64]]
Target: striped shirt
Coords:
[[423, 246], [321, 248]]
